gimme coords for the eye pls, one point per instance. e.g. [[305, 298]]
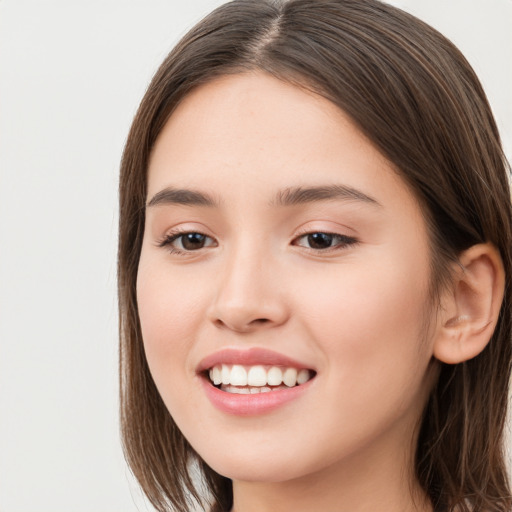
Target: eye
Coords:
[[323, 241], [187, 241]]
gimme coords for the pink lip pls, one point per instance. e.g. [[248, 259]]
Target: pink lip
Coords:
[[251, 404], [251, 356]]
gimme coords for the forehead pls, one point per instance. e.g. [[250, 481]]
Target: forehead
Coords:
[[253, 134]]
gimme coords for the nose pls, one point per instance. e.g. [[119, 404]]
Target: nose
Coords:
[[249, 296]]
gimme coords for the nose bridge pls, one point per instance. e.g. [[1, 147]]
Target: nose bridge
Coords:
[[248, 295]]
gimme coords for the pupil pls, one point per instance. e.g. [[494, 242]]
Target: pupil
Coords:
[[193, 241], [320, 240]]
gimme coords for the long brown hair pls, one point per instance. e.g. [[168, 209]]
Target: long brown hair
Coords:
[[413, 94]]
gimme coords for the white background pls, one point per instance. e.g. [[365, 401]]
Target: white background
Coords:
[[71, 76]]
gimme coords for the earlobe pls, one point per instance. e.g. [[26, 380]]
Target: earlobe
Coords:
[[471, 306]]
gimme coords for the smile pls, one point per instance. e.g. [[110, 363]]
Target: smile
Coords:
[[240, 379], [254, 381]]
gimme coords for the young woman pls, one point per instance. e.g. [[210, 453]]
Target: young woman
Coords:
[[315, 268]]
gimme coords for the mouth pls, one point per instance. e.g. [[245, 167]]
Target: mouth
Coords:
[[253, 381], [256, 379]]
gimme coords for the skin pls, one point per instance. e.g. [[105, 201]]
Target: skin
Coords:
[[355, 312]]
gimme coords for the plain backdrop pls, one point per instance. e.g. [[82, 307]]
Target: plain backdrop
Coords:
[[71, 76]]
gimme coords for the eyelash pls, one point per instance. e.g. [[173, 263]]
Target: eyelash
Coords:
[[344, 241], [171, 237]]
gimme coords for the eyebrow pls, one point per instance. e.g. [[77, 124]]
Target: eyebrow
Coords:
[[300, 195], [182, 196], [287, 197]]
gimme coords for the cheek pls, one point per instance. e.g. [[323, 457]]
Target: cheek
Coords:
[[168, 312], [168, 305], [369, 324]]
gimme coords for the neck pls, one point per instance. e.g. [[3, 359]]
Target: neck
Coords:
[[358, 484], [329, 496]]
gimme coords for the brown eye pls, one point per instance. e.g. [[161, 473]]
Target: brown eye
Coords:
[[319, 241], [193, 241], [187, 242]]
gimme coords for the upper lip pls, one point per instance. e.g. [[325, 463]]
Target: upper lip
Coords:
[[248, 357]]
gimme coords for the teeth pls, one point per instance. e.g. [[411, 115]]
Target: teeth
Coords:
[[250, 390], [302, 376], [217, 375], [238, 376], [258, 378], [225, 374], [274, 376], [290, 377]]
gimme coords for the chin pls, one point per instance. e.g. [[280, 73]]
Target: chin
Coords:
[[246, 472], [261, 466]]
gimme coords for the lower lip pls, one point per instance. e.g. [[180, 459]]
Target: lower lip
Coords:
[[252, 404]]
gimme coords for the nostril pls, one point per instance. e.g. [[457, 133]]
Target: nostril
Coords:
[[240, 327], [219, 323]]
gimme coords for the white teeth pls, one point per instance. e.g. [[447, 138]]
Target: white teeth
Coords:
[[290, 377], [249, 390], [257, 377], [225, 374], [238, 376], [274, 376], [217, 375], [303, 376]]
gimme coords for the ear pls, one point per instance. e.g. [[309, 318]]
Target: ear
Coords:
[[470, 307]]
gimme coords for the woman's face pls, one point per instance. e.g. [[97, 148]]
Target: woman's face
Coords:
[[279, 244]]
